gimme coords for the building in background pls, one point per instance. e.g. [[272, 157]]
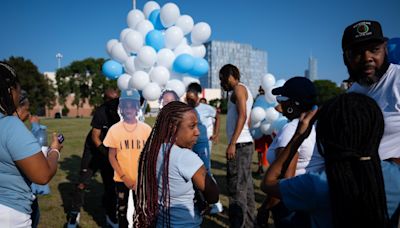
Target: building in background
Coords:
[[84, 111], [312, 71], [251, 62]]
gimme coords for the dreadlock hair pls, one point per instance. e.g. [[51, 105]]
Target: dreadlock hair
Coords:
[[8, 80], [349, 130], [162, 136], [230, 69]]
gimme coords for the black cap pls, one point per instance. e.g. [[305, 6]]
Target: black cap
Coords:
[[299, 89], [362, 31]]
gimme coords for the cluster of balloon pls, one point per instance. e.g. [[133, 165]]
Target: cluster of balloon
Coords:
[[160, 49], [393, 47], [265, 120]]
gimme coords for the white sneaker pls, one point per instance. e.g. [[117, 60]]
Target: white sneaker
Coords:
[[73, 219], [111, 223], [217, 208]]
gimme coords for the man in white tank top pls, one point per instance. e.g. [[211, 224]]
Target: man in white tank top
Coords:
[[240, 149]]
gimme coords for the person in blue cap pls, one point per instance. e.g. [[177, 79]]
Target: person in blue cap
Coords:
[[125, 141]]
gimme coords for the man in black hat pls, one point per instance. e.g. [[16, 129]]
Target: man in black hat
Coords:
[[366, 57]]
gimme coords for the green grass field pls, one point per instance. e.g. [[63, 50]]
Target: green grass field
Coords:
[[53, 207]]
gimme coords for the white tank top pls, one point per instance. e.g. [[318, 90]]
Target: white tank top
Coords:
[[232, 117]]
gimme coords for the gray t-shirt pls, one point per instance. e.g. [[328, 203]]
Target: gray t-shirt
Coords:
[[183, 164]]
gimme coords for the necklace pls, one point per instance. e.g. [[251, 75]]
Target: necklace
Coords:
[[127, 128]]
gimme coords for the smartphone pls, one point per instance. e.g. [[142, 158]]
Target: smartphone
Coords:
[[60, 138]]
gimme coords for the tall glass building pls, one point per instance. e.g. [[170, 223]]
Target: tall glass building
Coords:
[[251, 62], [312, 72]]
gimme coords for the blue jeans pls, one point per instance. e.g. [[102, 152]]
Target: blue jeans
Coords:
[[203, 150], [242, 205]]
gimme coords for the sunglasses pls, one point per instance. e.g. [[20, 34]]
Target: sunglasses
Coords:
[[281, 99]]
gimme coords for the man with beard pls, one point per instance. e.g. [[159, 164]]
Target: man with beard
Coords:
[[366, 57]]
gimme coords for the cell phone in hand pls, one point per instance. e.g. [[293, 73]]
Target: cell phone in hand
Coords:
[[60, 138]]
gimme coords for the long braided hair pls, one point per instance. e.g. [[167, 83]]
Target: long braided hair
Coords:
[[349, 130], [8, 80], [162, 136]]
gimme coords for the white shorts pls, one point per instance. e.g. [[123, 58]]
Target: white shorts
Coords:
[[10, 218]]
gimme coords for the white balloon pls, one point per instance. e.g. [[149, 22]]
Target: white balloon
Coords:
[[169, 14], [271, 115], [279, 83], [129, 65], [110, 44], [118, 53], [133, 41], [186, 79], [177, 86], [134, 18], [185, 22], [175, 76], [278, 124], [265, 128], [257, 114], [144, 27], [149, 7], [139, 80], [159, 75], [123, 81], [151, 91], [267, 81], [184, 41], [269, 97], [123, 34], [165, 57], [256, 125], [200, 33], [173, 37], [147, 56], [183, 49], [199, 50]]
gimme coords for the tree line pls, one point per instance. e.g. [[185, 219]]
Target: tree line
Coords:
[[82, 78]]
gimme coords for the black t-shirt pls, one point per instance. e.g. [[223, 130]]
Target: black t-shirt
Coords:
[[104, 117]]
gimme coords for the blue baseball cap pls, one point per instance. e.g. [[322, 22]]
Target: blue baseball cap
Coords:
[[300, 89], [131, 94]]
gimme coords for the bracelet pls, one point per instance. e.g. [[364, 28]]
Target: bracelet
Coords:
[[54, 150]]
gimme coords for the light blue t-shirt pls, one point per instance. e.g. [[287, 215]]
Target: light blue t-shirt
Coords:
[[206, 115], [16, 143], [183, 164], [310, 193]]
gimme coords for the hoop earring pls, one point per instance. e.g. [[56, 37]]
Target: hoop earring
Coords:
[[289, 110]]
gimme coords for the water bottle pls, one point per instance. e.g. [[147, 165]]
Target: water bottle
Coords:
[[41, 135]]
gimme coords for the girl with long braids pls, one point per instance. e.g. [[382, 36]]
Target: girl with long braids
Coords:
[[21, 158], [356, 189], [169, 171]]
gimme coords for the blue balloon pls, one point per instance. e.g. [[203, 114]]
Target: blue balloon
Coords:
[[112, 69], [183, 63], [256, 133], [393, 47], [260, 101], [155, 19], [200, 67], [155, 39]]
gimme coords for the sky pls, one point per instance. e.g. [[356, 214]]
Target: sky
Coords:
[[290, 31]]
